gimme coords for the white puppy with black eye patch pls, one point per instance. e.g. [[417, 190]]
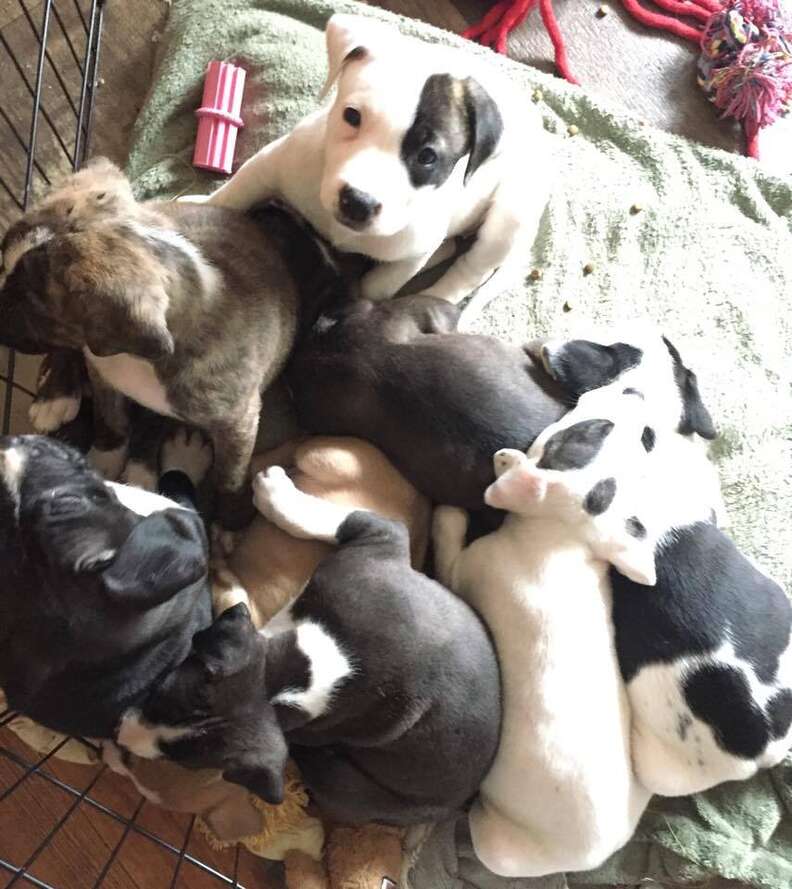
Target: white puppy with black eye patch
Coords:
[[561, 795], [422, 143]]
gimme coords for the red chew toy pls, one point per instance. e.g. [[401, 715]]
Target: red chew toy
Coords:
[[218, 117]]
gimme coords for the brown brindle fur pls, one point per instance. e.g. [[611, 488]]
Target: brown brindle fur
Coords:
[[201, 293]]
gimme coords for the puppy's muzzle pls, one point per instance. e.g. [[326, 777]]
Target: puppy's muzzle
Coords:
[[356, 208]]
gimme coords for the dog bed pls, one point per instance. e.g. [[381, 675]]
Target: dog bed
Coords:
[[640, 223]]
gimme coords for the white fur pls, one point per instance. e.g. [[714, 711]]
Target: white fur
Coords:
[[561, 794], [308, 166], [109, 462], [329, 667], [49, 414], [141, 501], [12, 467], [143, 739], [134, 377], [111, 755], [32, 239]]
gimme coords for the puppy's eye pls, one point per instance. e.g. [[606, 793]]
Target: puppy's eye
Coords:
[[427, 157], [352, 116], [101, 197]]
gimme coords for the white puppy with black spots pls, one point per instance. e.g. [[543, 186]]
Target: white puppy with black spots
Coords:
[[422, 143], [561, 795]]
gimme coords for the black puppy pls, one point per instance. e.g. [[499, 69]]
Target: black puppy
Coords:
[[437, 402], [384, 684], [104, 585]]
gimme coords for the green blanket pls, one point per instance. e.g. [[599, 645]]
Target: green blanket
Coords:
[[697, 239]]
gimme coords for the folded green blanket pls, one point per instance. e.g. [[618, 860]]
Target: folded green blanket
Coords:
[[697, 239]]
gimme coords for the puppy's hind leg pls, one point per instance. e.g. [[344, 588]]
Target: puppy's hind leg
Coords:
[[233, 443]]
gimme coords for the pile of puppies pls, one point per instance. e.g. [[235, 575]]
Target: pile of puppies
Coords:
[[587, 636]]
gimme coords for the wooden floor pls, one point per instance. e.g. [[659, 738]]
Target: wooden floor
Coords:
[[652, 75]]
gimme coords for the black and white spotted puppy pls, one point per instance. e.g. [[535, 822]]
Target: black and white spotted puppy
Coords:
[[103, 585], [706, 652], [636, 357], [384, 684]]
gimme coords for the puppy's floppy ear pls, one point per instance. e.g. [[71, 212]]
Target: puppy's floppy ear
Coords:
[[165, 552], [227, 646], [260, 768], [485, 125], [695, 416], [139, 329], [521, 483], [632, 556], [348, 37]]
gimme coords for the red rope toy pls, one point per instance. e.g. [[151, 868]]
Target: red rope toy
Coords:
[[746, 50]]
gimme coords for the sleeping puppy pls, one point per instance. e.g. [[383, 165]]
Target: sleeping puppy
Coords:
[[104, 587], [384, 684], [437, 402], [706, 652], [561, 795], [188, 310], [406, 157]]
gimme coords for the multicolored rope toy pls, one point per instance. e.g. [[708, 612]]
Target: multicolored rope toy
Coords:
[[745, 66]]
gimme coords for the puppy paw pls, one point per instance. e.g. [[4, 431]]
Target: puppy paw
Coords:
[[139, 475], [449, 523], [273, 492], [504, 459], [188, 451], [109, 462], [49, 414]]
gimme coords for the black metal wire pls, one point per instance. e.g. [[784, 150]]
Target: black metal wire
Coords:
[[67, 38], [34, 767], [119, 844], [23, 145]]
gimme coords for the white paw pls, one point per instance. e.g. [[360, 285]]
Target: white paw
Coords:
[[109, 463], [49, 414], [188, 451], [139, 475], [504, 459], [449, 523], [193, 198], [273, 492]]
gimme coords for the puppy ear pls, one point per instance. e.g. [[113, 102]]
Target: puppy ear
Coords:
[[634, 557], [143, 332], [348, 37], [485, 125], [227, 646], [695, 416], [431, 315], [260, 769], [234, 818], [519, 485], [166, 552]]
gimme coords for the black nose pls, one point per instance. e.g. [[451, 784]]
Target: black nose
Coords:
[[356, 205]]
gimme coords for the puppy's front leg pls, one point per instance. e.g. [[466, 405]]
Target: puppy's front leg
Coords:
[[301, 515], [449, 527], [61, 380], [111, 427], [388, 278], [255, 181]]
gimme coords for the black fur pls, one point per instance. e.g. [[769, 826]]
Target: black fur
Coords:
[[98, 602], [695, 417], [437, 402], [600, 497], [708, 593], [409, 735], [576, 446], [581, 365]]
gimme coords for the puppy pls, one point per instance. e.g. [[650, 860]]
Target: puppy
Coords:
[[384, 684], [188, 310], [561, 795], [407, 156], [437, 402], [706, 652], [272, 566], [105, 584]]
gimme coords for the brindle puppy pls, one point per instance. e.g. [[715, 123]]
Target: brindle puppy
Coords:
[[187, 310]]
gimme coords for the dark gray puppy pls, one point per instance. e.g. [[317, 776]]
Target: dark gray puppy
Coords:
[[384, 684], [437, 402], [103, 585]]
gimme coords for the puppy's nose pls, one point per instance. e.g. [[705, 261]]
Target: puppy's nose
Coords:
[[356, 205]]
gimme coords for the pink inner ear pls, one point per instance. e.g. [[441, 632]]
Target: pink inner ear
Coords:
[[519, 485]]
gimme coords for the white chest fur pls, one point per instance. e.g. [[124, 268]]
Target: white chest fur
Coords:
[[134, 377], [561, 793]]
